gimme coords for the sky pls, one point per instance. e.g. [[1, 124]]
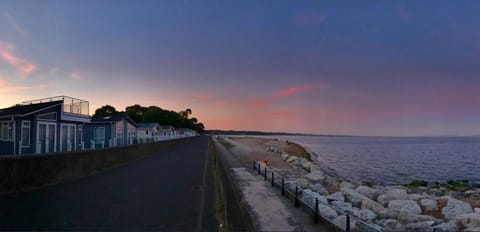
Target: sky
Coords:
[[390, 68]]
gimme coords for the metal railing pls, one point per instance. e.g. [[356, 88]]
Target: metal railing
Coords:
[[70, 104], [295, 193]]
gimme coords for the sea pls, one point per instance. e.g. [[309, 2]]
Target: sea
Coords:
[[395, 160]]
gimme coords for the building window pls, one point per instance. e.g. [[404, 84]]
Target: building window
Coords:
[[6, 130], [146, 132], [48, 117], [25, 133], [80, 134], [99, 133]]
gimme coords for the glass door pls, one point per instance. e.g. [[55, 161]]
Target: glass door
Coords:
[[68, 140], [46, 137], [51, 135], [42, 138]]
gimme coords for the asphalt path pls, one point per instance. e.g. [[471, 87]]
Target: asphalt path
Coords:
[[171, 190]]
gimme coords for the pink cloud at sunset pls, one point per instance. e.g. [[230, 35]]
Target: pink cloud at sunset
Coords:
[[293, 90], [257, 103], [21, 65]]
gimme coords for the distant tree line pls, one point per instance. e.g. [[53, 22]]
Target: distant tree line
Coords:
[[141, 114]]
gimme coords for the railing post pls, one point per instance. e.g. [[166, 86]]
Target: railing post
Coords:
[[315, 217], [296, 197], [273, 179], [347, 226], [283, 186], [265, 174]]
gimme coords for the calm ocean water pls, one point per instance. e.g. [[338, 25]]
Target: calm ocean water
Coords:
[[393, 160]]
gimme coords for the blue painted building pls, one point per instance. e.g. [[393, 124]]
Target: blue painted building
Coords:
[[110, 131], [42, 126]]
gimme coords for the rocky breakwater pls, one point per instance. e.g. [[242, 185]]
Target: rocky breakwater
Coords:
[[391, 208]]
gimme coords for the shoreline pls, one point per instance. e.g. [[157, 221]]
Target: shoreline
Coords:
[[418, 205]]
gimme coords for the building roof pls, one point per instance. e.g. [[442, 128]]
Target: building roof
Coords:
[[23, 110], [166, 127], [112, 118], [147, 125]]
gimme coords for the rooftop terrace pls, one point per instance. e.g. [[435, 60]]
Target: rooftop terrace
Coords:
[[70, 104]]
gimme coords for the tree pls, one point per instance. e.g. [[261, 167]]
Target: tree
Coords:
[[185, 113], [105, 110], [152, 114], [136, 112]]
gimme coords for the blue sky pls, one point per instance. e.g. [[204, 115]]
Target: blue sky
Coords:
[[364, 68]]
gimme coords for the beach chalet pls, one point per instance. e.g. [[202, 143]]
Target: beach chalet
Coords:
[[46, 125], [148, 131], [110, 131], [166, 130], [184, 132]]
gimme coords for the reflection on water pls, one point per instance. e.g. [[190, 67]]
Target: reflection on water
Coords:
[[390, 160]]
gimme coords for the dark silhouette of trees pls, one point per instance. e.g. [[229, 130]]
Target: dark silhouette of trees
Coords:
[[105, 110], [140, 114], [136, 112]]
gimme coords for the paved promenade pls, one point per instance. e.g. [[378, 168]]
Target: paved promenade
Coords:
[[172, 190]]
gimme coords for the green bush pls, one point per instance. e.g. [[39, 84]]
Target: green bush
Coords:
[[417, 183]]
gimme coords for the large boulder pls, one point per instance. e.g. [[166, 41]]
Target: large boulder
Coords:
[[367, 191], [338, 196], [420, 227], [306, 164], [345, 185], [416, 197], [343, 206], [446, 227], [308, 197], [365, 214], [341, 222], [315, 176], [469, 220], [302, 183], [428, 204], [406, 218], [455, 207], [392, 194], [381, 211], [319, 188], [291, 159], [354, 197], [327, 212], [290, 185], [405, 206], [472, 229], [391, 225]]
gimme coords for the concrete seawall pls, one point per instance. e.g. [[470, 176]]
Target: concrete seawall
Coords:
[[238, 217], [24, 172]]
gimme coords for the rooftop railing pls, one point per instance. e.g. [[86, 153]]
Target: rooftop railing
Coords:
[[70, 104]]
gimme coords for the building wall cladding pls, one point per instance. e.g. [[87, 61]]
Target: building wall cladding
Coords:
[[25, 172]]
